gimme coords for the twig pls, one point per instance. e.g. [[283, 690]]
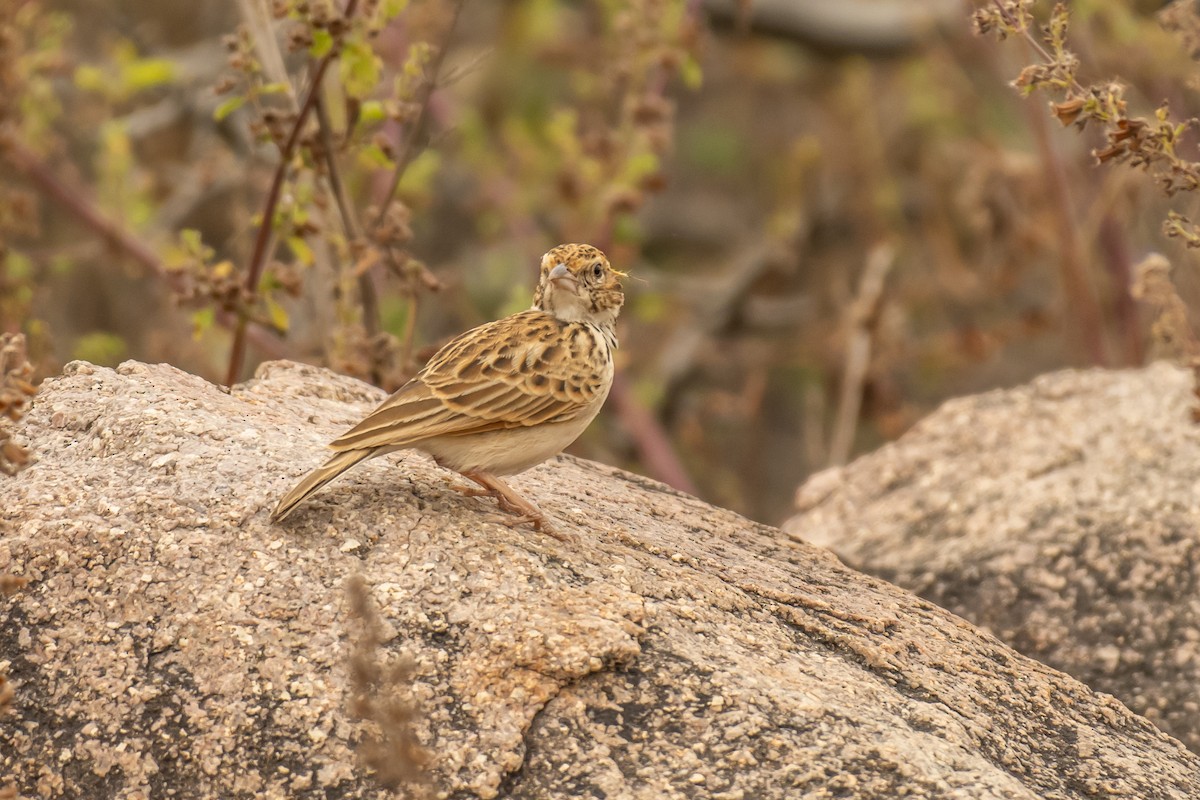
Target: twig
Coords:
[[1074, 274], [409, 149], [1030, 38], [266, 228], [879, 27], [410, 332], [1071, 262], [75, 200], [1115, 247], [404, 158], [366, 286], [720, 306], [861, 321], [257, 16]]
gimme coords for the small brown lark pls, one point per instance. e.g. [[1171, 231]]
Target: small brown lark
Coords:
[[505, 396]]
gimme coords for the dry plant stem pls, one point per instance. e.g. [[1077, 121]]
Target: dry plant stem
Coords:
[[1079, 296], [410, 332], [875, 28], [409, 149], [390, 747], [863, 316], [653, 446], [722, 303], [1115, 248], [258, 19], [1029, 37], [258, 258], [16, 389], [77, 202], [366, 286]]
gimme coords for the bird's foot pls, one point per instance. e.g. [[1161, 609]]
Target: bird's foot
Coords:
[[471, 491], [539, 522], [519, 511]]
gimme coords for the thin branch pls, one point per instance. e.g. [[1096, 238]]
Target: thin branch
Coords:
[[405, 157], [366, 286], [1078, 290], [862, 320], [1114, 246], [1029, 37], [75, 200], [409, 149], [880, 27], [257, 16], [722, 300], [410, 332], [266, 228]]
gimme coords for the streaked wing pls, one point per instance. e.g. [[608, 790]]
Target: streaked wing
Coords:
[[522, 370]]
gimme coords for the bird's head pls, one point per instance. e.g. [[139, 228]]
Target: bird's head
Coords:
[[578, 284]]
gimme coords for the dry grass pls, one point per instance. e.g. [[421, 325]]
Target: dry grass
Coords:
[[381, 697]]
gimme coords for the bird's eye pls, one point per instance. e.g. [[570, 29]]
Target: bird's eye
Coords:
[[597, 270]]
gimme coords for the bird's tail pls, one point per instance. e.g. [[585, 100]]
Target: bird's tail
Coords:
[[336, 465]]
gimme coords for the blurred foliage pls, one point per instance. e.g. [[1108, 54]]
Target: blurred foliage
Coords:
[[742, 179], [15, 391]]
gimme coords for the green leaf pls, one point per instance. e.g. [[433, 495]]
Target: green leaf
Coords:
[[99, 347], [229, 106], [390, 9], [420, 173], [322, 43], [190, 239], [17, 266], [202, 322], [61, 264], [90, 78], [371, 111], [561, 131], [146, 73], [690, 73], [393, 312], [301, 250], [640, 166], [279, 317], [360, 68], [371, 156], [626, 229]]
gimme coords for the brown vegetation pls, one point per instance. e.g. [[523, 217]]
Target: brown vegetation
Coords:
[[413, 161]]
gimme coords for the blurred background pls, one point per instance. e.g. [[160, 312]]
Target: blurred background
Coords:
[[834, 215]]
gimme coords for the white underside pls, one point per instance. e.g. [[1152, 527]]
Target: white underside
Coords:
[[506, 452]]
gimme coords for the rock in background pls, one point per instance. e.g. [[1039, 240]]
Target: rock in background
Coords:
[[172, 643], [1063, 516]]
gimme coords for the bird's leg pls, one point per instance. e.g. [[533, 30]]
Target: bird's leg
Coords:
[[508, 499], [472, 491]]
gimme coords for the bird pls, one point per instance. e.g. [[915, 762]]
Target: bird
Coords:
[[504, 396]]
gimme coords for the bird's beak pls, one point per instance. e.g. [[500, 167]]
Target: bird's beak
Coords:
[[560, 276]]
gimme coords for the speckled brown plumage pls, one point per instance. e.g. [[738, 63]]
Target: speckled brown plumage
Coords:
[[505, 396]]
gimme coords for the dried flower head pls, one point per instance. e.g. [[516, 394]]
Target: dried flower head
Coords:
[[15, 390]]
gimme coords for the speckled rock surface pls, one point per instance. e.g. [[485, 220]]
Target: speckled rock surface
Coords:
[[1064, 516], [172, 643]]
